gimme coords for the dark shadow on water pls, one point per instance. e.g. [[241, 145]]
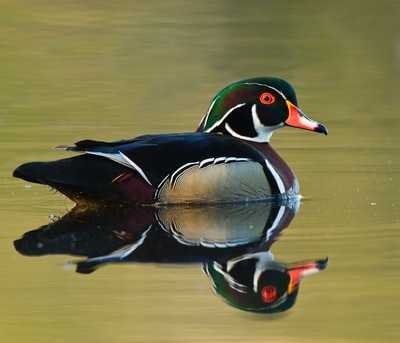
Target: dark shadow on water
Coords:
[[232, 242]]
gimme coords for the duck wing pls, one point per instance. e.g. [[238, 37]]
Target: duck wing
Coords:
[[132, 170], [155, 157]]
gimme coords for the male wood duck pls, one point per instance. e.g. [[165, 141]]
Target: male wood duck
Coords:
[[228, 159]]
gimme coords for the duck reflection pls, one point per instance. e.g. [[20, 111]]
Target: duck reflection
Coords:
[[233, 242]]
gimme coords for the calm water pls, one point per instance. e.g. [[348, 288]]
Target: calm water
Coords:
[[106, 70]]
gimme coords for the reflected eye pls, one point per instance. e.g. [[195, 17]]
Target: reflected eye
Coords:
[[268, 294], [267, 98]]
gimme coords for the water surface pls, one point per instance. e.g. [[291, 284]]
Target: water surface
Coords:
[[102, 70]]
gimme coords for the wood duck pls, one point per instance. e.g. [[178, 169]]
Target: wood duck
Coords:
[[232, 242], [228, 159]]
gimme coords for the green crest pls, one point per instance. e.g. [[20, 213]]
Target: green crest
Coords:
[[240, 94]]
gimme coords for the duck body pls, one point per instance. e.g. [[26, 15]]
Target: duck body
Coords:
[[203, 168], [228, 159]]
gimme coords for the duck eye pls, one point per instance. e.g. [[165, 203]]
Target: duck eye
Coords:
[[267, 98], [268, 294]]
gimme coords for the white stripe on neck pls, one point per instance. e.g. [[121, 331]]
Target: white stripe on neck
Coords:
[[217, 123], [264, 133]]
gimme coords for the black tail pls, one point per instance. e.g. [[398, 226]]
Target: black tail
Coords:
[[83, 173]]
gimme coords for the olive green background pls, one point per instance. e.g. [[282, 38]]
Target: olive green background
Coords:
[[116, 69]]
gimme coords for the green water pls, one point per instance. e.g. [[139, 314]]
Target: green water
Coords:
[[108, 70]]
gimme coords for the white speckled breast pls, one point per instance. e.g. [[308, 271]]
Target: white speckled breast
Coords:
[[225, 182]]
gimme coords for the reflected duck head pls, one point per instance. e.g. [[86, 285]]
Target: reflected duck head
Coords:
[[257, 283]]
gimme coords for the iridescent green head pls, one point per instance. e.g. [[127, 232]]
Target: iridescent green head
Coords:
[[252, 109]]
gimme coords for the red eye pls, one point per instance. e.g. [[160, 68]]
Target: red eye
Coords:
[[268, 294], [267, 98]]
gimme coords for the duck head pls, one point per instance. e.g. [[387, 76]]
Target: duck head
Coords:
[[255, 282], [253, 109]]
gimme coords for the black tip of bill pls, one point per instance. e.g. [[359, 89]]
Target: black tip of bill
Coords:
[[321, 129]]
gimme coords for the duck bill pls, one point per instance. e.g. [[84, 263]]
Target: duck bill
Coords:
[[298, 119], [298, 270]]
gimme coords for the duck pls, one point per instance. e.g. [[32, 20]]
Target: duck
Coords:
[[227, 159]]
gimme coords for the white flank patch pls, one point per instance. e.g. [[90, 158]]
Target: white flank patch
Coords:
[[276, 176], [122, 159]]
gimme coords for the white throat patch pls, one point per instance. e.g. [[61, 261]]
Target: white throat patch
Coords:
[[264, 133]]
